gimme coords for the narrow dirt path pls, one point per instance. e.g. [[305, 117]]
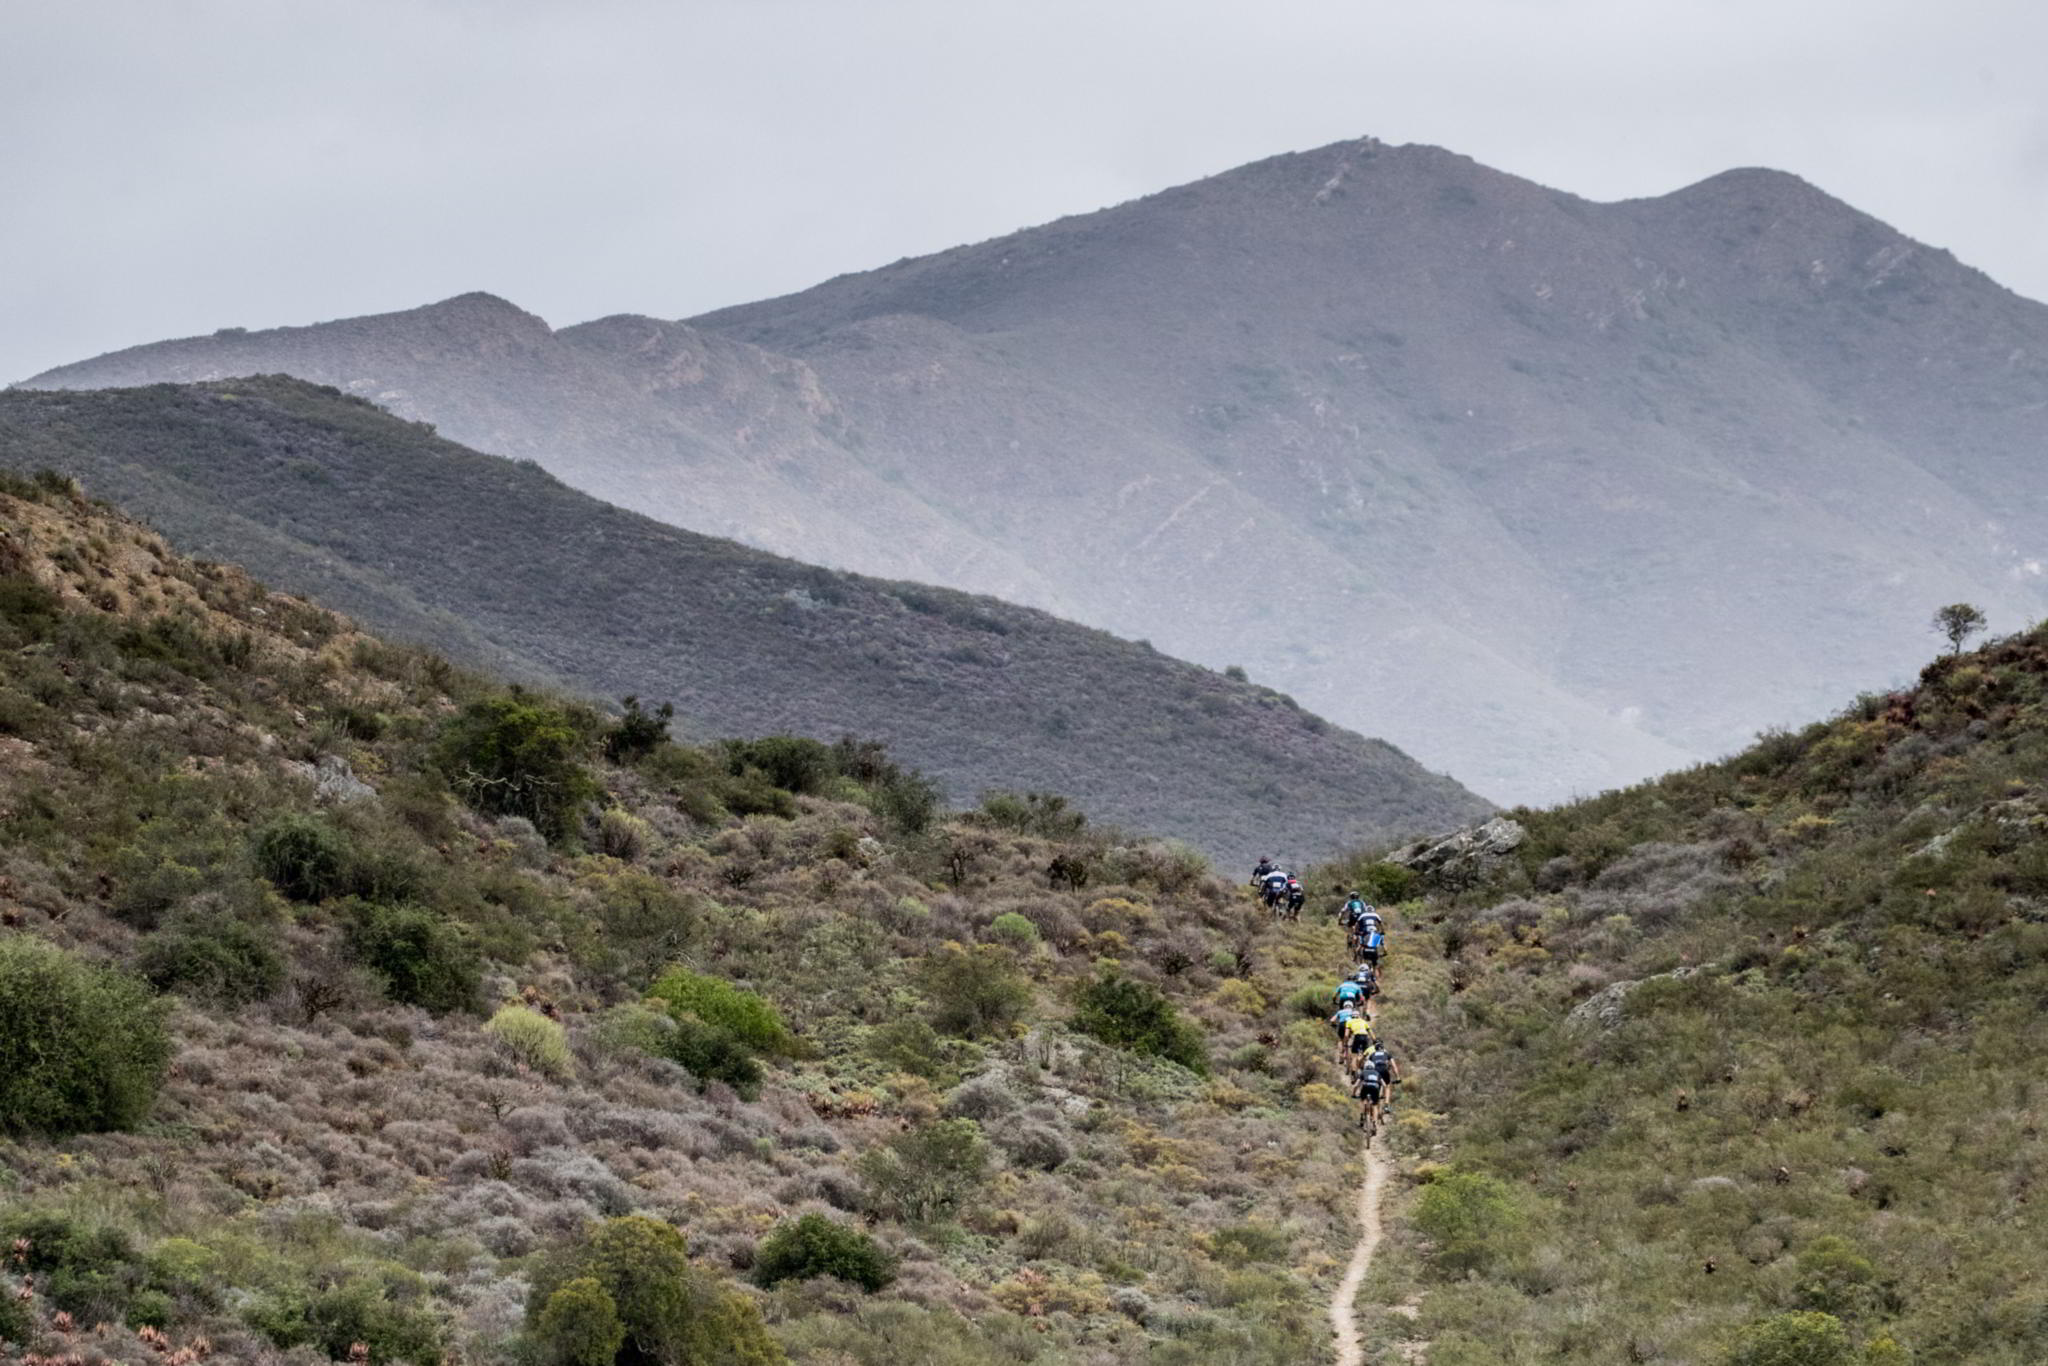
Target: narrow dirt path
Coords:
[[1344, 1305]]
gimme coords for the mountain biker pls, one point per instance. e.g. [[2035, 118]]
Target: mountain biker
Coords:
[[1273, 887], [1368, 982], [1353, 909], [1389, 1072], [1358, 1044], [1266, 866], [1372, 947], [1339, 1023], [1351, 992], [1367, 1088], [1296, 896]]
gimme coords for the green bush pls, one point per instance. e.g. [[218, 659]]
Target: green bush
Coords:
[[1469, 1219], [1126, 1013], [909, 802], [533, 1039], [713, 1054], [82, 1047], [421, 958], [974, 992], [517, 756], [579, 1326], [794, 763], [816, 1246], [17, 1323], [1836, 1278], [1044, 814], [911, 1045], [1383, 883], [220, 961], [304, 857], [671, 1313], [384, 1309], [1013, 929], [922, 1175], [638, 732], [1804, 1338], [29, 611], [742, 1014], [1249, 1243], [87, 1269]]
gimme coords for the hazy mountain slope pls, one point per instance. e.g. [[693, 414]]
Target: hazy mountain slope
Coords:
[[702, 432], [499, 562], [1750, 1053], [1553, 493], [1563, 427]]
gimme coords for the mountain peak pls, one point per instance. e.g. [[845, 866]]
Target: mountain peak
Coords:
[[480, 311], [1759, 185]]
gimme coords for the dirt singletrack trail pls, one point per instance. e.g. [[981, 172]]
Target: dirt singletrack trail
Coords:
[[1344, 1304]]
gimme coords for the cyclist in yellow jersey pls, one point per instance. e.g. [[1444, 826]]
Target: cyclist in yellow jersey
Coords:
[[1358, 1042]]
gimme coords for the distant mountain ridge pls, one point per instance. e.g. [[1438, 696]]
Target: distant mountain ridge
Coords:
[[1544, 490], [501, 565]]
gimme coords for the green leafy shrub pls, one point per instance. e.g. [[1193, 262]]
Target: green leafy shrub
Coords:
[[707, 1052], [421, 958], [1469, 1219], [912, 1045], [1309, 1002], [517, 756], [1045, 814], [974, 992], [638, 732], [924, 1174], [17, 1323], [1013, 929], [579, 1326], [533, 1039], [742, 1014], [304, 857], [82, 1047], [713, 1054], [908, 801], [221, 961], [794, 763], [383, 1308], [1126, 1013], [1249, 1243], [87, 1269], [1836, 1278], [1803, 1338], [671, 1313], [813, 1245], [29, 611], [1383, 883]]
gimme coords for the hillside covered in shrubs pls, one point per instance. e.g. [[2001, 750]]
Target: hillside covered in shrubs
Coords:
[[356, 1007], [1748, 1065], [501, 566]]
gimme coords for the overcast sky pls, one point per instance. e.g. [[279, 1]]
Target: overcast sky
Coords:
[[173, 166]]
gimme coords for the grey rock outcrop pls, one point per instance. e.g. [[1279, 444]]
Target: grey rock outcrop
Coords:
[[1464, 856], [1609, 1006]]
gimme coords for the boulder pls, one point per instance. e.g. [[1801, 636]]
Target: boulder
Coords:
[[1464, 856]]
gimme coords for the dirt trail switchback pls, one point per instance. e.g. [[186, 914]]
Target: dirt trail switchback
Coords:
[[1343, 1306]]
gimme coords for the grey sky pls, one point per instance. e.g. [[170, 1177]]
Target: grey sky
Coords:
[[173, 166]]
